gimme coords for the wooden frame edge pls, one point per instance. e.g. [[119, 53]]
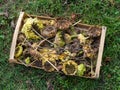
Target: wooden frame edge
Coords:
[[14, 39], [100, 53]]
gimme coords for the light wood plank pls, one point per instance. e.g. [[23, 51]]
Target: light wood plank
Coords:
[[14, 40], [100, 53]]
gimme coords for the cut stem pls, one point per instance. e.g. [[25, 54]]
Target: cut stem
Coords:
[[76, 23], [50, 63], [92, 72]]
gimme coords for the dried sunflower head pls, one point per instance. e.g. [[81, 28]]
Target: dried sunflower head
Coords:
[[49, 31], [63, 24], [47, 65], [69, 67], [74, 46]]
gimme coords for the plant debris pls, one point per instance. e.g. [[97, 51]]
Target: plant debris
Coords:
[[62, 24], [58, 45]]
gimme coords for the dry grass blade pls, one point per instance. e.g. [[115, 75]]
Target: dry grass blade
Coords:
[[24, 41], [76, 23], [52, 65], [39, 44]]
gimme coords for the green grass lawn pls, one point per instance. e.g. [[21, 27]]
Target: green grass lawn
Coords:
[[98, 12]]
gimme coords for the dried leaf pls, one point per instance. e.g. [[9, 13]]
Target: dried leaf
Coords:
[[49, 85], [82, 38], [109, 75]]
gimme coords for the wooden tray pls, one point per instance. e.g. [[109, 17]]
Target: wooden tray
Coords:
[[83, 26]]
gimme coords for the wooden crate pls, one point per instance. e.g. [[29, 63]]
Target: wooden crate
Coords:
[[83, 26]]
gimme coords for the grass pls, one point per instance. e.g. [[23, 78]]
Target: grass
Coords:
[[98, 12]]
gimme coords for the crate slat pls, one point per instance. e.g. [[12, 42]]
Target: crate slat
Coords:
[[14, 40]]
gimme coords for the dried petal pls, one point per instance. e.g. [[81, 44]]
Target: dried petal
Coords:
[[82, 38]]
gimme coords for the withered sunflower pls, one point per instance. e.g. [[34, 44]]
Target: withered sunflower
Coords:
[[69, 67], [47, 66], [49, 31]]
